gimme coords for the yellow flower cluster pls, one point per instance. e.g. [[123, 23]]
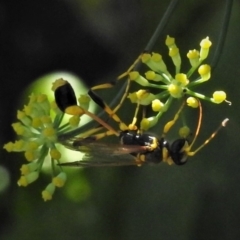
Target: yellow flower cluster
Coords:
[[38, 134], [172, 86]]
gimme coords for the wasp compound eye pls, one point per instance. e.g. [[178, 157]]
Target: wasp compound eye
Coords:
[[177, 151], [64, 94]]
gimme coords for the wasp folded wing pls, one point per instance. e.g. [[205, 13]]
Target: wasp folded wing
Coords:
[[102, 154]]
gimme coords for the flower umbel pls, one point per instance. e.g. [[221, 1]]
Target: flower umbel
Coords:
[[39, 127], [177, 85]]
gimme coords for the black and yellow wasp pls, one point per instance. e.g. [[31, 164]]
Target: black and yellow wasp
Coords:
[[134, 147]]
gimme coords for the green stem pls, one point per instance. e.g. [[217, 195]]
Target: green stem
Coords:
[[158, 86], [58, 119], [162, 94], [193, 69], [165, 108], [199, 95], [196, 82], [43, 154]]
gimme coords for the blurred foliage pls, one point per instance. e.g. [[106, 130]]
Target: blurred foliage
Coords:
[[97, 41]]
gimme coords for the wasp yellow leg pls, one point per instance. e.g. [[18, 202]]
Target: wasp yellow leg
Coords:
[[198, 126], [132, 126], [102, 135], [140, 159], [128, 82], [123, 96], [89, 132], [169, 124], [100, 121], [109, 85], [130, 68], [223, 124], [107, 109]]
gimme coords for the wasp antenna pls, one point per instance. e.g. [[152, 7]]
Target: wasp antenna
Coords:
[[107, 109], [223, 124], [100, 121], [225, 121], [199, 124], [103, 86]]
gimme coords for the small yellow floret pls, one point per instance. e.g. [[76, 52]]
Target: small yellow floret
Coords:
[[20, 115], [49, 132], [156, 57], [205, 46], [9, 146], [147, 123], [55, 154], [24, 169], [31, 155], [219, 96], [175, 90], [27, 168], [32, 98], [133, 75], [144, 125], [157, 105], [74, 110], [19, 145], [184, 131], [182, 78], [22, 181], [192, 54], [144, 97], [146, 57], [60, 179], [27, 179], [133, 97], [19, 128], [173, 52], [46, 195], [169, 41], [142, 93], [192, 102], [58, 83], [206, 43], [33, 145], [36, 122], [48, 192], [150, 75], [204, 69]]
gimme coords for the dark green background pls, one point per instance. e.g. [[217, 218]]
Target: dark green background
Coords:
[[97, 40]]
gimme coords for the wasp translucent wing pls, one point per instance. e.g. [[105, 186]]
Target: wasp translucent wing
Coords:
[[101, 155], [92, 163]]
